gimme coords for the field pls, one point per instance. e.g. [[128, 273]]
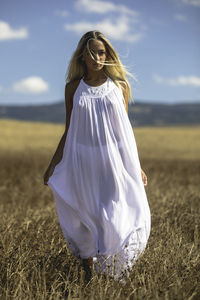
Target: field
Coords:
[[35, 262]]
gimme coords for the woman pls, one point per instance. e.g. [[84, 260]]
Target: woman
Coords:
[[95, 173]]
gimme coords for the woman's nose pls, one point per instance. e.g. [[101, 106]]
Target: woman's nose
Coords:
[[97, 57]]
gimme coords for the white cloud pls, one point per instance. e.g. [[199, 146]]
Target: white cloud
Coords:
[[181, 18], [102, 7], [1, 88], [179, 81], [192, 2], [31, 85], [124, 25], [8, 33], [62, 13], [121, 29]]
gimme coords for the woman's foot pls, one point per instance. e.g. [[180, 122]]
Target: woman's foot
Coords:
[[87, 264]]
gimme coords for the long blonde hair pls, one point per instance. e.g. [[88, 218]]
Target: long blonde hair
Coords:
[[113, 67]]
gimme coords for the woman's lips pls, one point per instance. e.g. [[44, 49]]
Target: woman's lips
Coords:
[[96, 64]]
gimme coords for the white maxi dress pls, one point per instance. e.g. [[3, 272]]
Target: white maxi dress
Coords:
[[100, 197]]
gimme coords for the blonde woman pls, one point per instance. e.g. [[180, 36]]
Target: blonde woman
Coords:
[[95, 173]]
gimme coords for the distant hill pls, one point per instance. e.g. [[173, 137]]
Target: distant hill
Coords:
[[140, 113]]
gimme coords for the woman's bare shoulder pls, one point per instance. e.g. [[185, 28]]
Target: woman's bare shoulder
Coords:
[[71, 86]]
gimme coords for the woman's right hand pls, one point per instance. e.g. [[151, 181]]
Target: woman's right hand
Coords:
[[48, 173]]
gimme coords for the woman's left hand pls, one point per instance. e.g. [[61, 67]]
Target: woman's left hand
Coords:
[[144, 177]]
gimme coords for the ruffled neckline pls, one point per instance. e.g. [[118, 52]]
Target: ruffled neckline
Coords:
[[95, 87]]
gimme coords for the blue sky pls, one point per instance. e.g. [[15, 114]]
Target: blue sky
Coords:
[[158, 40]]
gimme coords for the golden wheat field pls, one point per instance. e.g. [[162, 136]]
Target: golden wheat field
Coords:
[[35, 262]]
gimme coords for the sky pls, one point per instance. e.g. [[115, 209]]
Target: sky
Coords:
[[157, 40]]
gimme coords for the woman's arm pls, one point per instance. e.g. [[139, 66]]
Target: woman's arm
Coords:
[[125, 94], [69, 92], [59, 152], [68, 106]]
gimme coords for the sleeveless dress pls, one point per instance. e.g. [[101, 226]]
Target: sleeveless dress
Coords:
[[100, 197]]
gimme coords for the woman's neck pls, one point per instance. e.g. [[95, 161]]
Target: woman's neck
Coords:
[[95, 76]]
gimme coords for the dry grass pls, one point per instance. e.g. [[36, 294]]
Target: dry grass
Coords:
[[35, 262]]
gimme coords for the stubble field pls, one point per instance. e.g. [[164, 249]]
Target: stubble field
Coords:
[[35, 262]]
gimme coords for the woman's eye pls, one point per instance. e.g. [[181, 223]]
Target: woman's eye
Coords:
[[102, 53]]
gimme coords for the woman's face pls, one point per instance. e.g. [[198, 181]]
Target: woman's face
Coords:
[[98, 51]]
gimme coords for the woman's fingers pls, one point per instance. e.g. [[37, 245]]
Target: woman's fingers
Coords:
[[45, 178], [144, 178], [45, 182]]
